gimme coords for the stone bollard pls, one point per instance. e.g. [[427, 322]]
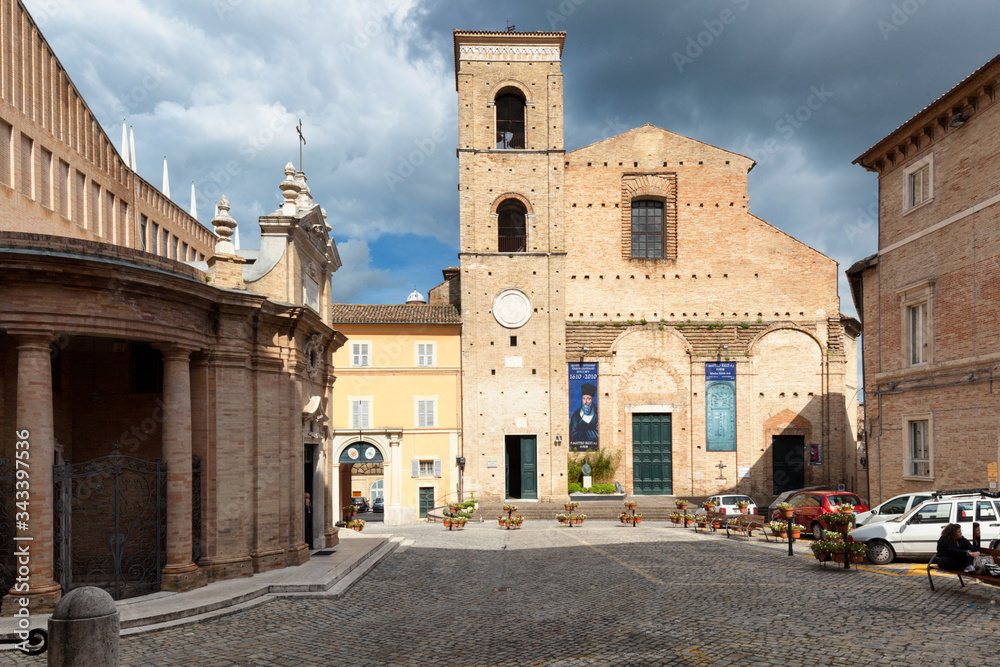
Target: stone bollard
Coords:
[[83, 630]]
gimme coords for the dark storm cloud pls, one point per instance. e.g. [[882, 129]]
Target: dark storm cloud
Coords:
[[801, 87]]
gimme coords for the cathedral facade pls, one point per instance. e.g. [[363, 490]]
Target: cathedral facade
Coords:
[[621, 297]]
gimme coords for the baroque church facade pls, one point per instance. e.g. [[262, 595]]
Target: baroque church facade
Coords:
[[625, 287]]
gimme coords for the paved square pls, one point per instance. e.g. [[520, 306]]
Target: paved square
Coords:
[[600, 594]]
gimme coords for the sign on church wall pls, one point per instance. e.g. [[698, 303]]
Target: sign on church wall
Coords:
[[583, 425], [720, 406]]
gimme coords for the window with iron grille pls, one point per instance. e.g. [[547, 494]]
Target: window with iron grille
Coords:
[[512, 226], [647, 229], [510, 120]]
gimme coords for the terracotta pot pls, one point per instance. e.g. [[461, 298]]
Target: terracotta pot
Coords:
[[857, 558], [822, 556], [838, 558], [796, 534], [357, 528], [787, 514]]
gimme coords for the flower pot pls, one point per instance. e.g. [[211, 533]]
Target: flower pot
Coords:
[[568, 507], [822, 556], [357, 528], [675, 520], [688, 522], [787, 514], [843, 528], [743, 510], [796, 534], [838, 558], [857, 558]]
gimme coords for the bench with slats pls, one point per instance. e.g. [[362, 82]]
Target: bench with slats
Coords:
[[990, 579]]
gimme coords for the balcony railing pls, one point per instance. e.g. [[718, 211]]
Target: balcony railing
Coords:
[[511, 243]]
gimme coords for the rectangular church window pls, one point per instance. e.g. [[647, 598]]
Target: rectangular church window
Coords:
[[647, 229]]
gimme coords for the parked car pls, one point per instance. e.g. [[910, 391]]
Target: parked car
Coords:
[[916, 533], [727, 504], [892, 508], [361, 503], [784, 496], [809, 507], [378, 505]]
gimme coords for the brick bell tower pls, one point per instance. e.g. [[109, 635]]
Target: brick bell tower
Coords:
[[511, 166]]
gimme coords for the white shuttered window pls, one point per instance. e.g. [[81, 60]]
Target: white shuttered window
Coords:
[[361, 409], [425, 354], [426, 412], [361, 354]]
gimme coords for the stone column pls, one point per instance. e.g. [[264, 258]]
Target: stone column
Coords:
[[35, 426], [180, 573]]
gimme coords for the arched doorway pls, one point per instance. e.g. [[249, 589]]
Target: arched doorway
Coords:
[[361, 465]]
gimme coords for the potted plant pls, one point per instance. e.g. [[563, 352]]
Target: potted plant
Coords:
[[356, 524], [509, 508], [820, 551], [675, 518], [502, 520], [797, 531], [742, 505], [702, 520], [844, 508], [637, 518], [786, 510], [856, 551], [631, 504], [709, 506], [580, 518], [779, 529], [341, 524], [841, 522], [349, 512], [681, 504], [688, 519], [572, 505]]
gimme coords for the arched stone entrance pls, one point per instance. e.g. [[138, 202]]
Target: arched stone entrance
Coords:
[[368, 446]]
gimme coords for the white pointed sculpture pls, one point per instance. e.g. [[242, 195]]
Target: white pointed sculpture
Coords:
[[166, 178]]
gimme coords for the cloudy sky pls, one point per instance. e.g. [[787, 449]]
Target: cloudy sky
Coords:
[[219, 85]]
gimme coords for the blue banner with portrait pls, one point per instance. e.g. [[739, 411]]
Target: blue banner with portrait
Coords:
[[584, 431], [720, 406]]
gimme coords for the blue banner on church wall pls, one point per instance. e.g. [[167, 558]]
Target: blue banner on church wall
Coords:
[[584, 431], [720, 406]]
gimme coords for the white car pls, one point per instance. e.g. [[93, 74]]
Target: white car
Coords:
[[916, 533], [891, 508], [727, 504]]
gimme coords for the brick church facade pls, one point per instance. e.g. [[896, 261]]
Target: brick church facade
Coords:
[[709, 344]]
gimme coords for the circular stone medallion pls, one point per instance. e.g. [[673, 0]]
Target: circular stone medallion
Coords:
[[512, 308]]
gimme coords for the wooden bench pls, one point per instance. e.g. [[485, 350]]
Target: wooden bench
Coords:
[[734, 522], [971, 575]]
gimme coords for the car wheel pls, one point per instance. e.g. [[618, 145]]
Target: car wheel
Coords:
[[880, 552], [817, 531], [995, 544]]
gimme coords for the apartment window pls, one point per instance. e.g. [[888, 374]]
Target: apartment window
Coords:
[[361, 354], [425, 468], [361, 412], [917, 322], [426, 409], [919, 440], [6, 136], [143, 224], [425, 354], [647, 229], [918, 182]]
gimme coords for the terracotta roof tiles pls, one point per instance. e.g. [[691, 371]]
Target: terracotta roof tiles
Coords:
[[347, 313]]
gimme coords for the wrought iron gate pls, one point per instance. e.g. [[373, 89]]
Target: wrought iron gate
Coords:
[[111, 524], [7, 530]]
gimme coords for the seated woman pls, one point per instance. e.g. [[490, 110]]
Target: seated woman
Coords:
[[954, 552]]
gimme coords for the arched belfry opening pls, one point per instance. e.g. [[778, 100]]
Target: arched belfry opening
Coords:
[[510, 106], [512, 229]]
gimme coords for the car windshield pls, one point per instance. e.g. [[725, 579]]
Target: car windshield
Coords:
[[845, 499]]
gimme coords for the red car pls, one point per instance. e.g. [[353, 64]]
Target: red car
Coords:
[[809, 506]]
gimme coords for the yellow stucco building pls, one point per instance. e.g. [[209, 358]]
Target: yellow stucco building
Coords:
[[396, 406]]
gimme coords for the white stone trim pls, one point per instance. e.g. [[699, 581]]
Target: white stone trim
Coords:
[[509, 52], [944, 223]]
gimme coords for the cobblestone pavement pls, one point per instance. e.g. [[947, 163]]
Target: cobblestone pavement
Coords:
[[601, 594]]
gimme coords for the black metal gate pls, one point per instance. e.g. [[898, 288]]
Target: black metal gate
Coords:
[[111, 525], [7, 530]]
